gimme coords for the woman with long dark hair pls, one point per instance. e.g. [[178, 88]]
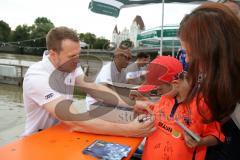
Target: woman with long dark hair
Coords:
[[211, 37]]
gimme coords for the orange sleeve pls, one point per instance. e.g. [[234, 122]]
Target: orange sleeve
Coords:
[[200, 153], [213, 129]]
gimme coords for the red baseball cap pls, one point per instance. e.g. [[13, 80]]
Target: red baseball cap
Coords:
[[162, 69]]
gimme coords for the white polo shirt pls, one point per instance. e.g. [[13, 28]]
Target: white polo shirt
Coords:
[[37, 91], [108, 73], [133, 72]]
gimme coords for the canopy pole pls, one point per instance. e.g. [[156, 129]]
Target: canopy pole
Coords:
[[161, 41], [173, 47]]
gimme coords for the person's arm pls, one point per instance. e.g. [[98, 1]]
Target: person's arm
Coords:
[[208, 141], [70, 116], [131, 77], [205, 141], [100, 92], [99, 126], [135, 95], [106, 95], [211, 136]]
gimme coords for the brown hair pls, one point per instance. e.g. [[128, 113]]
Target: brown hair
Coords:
[[56, 35], [234, 6], [211, 32], [232, 1]]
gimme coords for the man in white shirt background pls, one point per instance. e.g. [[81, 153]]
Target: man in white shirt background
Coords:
[[136, 72], [48, 85], [113, 71]]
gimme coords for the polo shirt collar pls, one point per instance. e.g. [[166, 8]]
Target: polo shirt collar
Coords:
[[115, 68], [48, 65]]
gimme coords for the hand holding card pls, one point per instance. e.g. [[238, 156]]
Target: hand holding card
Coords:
[[188, 131]]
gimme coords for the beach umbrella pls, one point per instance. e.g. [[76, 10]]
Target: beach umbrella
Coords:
[[113, 7]]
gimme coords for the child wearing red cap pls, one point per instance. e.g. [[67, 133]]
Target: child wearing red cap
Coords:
[[169, 141]]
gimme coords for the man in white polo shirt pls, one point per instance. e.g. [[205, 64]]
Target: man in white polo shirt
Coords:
[[136, 72], [48, 88], [113, 71]]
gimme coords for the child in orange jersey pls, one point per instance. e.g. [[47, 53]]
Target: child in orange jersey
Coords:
[[169, 141]]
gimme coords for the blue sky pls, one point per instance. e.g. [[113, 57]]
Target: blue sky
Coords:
[[75, 14]]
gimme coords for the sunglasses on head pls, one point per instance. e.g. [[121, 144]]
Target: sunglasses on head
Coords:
[[182, 75]]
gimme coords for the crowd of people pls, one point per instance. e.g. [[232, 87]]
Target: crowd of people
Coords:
[[200, 89]]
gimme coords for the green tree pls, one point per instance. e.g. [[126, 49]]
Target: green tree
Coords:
[[40, 29], [81, 36], [21, 33], [90, 39], [101, 43], [5, 31]]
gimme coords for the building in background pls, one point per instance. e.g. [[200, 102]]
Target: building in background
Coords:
[[148, 38], [136, 28], [152, 37]]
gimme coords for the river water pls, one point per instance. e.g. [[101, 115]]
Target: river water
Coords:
[[12, 116]]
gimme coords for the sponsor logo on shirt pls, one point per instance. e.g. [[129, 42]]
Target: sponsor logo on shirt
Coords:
[[168, 129], [165, 127], [49, 96]]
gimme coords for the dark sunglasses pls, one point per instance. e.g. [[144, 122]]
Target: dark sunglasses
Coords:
[[182, 75]]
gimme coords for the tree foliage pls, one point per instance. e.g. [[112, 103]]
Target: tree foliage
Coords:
[[21, 33], [5, 31], [40, 28], [101, 43], [34, 35], [90, 39]]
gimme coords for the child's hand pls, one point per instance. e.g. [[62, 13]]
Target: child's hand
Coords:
[[190, 142], [144, 107], [135, 95]]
